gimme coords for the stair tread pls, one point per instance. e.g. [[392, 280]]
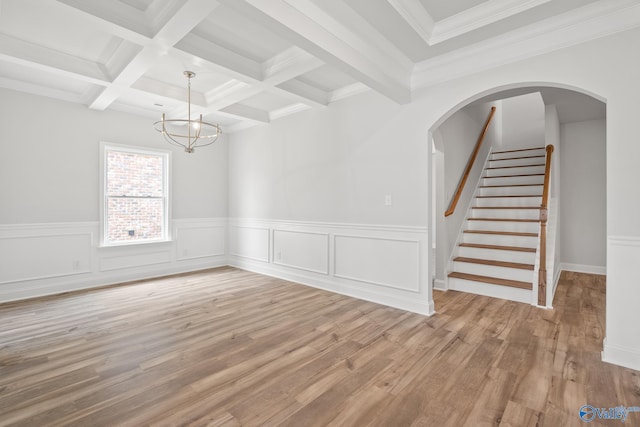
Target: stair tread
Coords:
[[519, 195], [521, 149], [502, 233], [516, 158], [492, 280], [514, 176], [503, 219], [498, 247], [505, 207], [518, 166], [506, 264]]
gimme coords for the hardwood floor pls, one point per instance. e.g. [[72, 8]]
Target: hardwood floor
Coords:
[[226, 347]]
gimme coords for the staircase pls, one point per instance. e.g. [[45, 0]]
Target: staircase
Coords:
[[496, 253]]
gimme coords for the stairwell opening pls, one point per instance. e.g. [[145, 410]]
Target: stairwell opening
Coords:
[[529, 116]]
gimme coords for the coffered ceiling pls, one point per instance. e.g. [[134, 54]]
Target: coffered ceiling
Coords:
[[259, 60]]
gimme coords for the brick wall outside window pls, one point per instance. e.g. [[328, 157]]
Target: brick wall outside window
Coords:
[[134, 196]]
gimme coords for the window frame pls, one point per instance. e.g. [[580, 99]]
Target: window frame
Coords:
[[166, 197]]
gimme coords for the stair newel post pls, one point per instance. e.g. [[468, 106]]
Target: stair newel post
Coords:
[[544, 214]]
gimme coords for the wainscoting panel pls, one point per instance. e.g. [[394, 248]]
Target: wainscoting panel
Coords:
[[46, 259], [300, 249], [200, 240], [131, 257], [622, 342], [385, 262], [37, 256], [249, 242]]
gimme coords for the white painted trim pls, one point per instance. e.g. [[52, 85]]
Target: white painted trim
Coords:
[[91, 275], [598, 19], [282, 224], [440, 285], [624, 240], [581, 268], [416, 289], [629, 358], [343, 287], [479, 16], [434, 32], [314, 233], [347, 91], [288, 110], [252, 227], [416, 16]]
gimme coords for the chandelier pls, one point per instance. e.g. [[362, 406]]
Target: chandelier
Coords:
[[188, 133]]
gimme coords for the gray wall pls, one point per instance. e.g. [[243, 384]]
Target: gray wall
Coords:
[[49, 162], [583, 193]]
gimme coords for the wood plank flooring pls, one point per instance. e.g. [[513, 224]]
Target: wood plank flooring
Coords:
[[227, 347]]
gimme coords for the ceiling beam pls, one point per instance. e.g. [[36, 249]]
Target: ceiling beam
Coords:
[[190, 14], [313, 31]]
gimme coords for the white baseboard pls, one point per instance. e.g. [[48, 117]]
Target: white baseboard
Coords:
[[52, 286], [581, 268], [629, 358], [335, 284], [440, 285]]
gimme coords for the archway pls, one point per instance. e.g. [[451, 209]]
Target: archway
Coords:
[[578, 111]]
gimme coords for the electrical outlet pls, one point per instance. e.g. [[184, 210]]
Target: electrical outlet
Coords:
[[279, 255]]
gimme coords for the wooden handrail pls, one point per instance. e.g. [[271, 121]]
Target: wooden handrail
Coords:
[[467, 171], [542, 271]]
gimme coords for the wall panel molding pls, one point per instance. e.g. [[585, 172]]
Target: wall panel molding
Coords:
[[379, 263], [49, 258], [386, 262], [304, 250]]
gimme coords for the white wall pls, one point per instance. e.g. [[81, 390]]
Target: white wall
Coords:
[[583, 202], [334, 165], [523, 121], [329, 171], [49, 170]]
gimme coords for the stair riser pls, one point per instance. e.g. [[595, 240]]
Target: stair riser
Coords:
[[500, 240], [513, 180], [515, 171], [497, 255], [538, 152], [495, 291], [516, 162], [516, 227], [508, 201], [535, 190], [494, 271]]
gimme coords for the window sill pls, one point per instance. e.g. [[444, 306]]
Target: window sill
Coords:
[[127, 244]]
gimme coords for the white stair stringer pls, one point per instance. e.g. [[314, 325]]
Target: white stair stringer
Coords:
[[496, 253]]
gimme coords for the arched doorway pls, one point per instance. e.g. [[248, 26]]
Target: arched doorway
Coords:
[[581, 130]]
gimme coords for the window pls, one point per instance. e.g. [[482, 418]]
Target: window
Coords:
[[135, 202]]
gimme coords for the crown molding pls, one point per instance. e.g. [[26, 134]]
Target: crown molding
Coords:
[[589, 22], [479, 16], [434, 32]]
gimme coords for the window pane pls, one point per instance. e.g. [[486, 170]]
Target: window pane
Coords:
[[134, 219], [132, 174]]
